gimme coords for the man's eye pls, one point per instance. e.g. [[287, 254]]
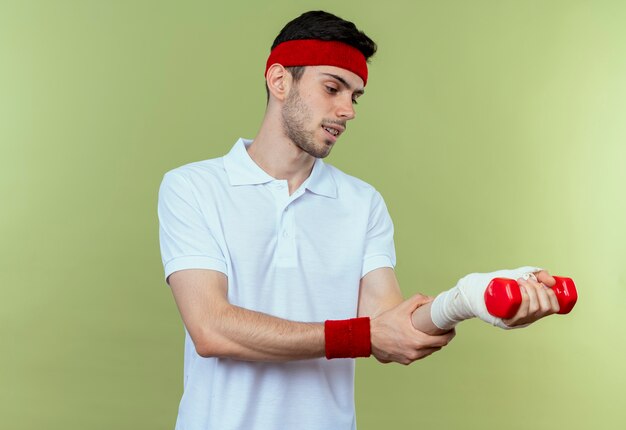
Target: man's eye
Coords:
[[354, 102], [331, 90]]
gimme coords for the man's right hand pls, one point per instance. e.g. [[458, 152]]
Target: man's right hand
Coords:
[[395, 339]]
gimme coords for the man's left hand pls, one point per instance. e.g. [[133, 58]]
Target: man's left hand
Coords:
[[538, 300]]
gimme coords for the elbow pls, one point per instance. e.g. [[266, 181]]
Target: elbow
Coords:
[[209, 337], [210, 345], [207, 349]]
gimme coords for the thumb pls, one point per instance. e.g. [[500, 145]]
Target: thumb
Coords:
[[416, 301], [545, 278]]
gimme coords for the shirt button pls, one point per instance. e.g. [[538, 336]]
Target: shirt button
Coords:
[[285, 234]]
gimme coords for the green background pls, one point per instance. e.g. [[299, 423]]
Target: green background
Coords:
[[495, 130]]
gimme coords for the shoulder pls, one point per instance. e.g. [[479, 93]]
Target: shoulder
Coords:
[[211, 168], [196, 174]]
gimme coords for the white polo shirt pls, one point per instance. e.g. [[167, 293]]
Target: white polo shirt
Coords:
[[298, 257]]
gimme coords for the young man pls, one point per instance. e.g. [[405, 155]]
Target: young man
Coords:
[[282, 265]]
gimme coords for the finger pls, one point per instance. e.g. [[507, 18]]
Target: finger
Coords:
[[554, 302], [416, 301], [545, 278], [425, 352], [522, 311], [441, 340], [436, 341], [533, 300], [528, 306], [523, 308], [431, 351], [544, 300]]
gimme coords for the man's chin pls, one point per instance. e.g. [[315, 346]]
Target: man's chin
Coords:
[[318, 151], [325, 152]]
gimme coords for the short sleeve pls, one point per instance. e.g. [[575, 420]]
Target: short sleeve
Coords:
[[185, 237], [379, 246]]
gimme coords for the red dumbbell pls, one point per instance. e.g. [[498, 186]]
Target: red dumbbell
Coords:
[[503, 296]]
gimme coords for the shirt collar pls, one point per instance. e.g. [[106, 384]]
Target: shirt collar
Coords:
[[242, 170], [321, 180]]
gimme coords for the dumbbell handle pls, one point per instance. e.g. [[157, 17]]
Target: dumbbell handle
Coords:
[[503, 296]]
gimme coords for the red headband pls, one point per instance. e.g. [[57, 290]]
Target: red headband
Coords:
[[314, 52]]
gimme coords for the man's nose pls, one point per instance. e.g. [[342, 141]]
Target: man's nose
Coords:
[[345, 109]]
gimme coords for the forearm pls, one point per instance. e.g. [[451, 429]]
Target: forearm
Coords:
[[242, 334], [221, 329], [422, 321]]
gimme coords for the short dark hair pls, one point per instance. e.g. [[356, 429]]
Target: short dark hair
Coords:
[[322, 25]]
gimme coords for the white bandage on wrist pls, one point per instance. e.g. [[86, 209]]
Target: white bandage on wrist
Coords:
[[467, 299]]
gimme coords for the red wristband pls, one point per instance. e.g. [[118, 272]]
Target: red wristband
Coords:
[[348, 338]]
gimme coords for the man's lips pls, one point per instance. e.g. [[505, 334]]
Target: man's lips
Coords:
[[334, 130]]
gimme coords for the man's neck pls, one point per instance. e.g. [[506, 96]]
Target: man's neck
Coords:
[[278, 156]]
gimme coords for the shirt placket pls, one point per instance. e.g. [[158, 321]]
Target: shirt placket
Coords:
[[286, 246]]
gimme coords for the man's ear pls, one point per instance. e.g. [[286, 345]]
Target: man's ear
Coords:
[[278, 81]]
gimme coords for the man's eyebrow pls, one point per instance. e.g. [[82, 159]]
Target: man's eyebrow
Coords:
[[345, 83]]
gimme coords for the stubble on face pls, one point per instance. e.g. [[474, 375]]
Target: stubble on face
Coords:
[[295, 117]]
